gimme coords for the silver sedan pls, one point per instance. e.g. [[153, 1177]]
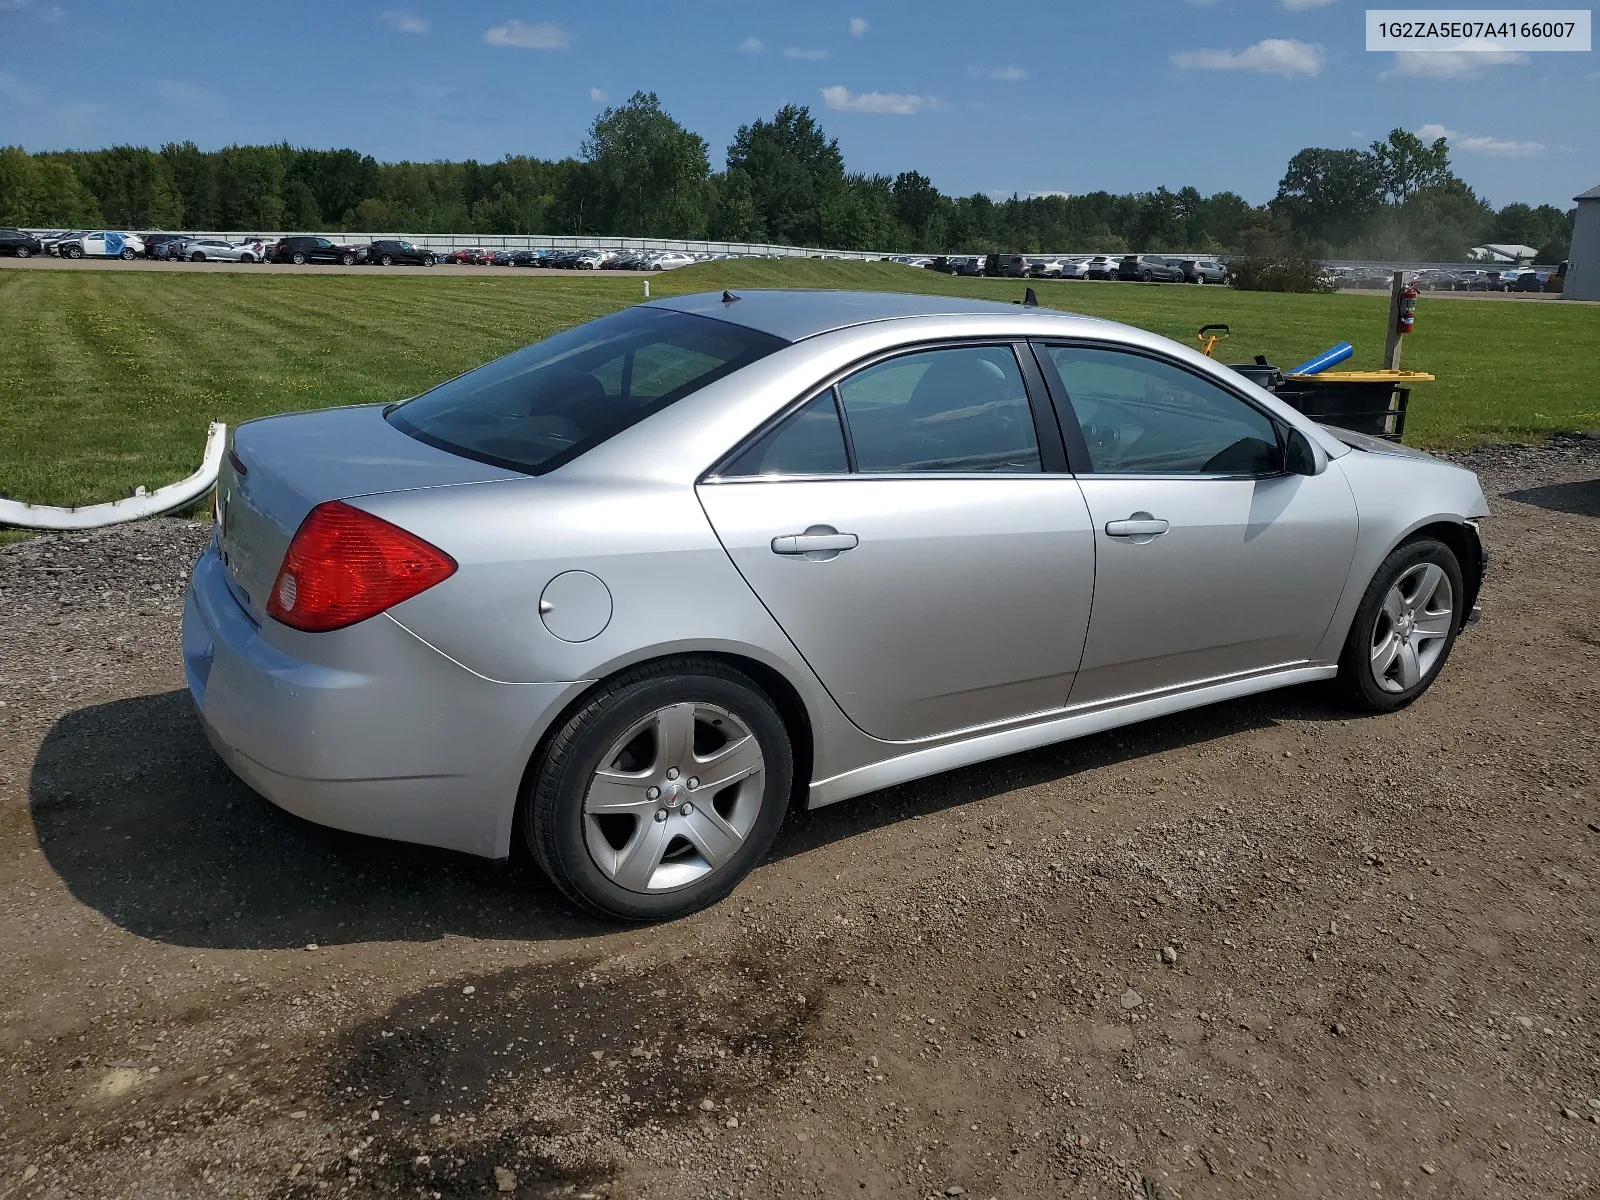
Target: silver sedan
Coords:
[[626, 595]]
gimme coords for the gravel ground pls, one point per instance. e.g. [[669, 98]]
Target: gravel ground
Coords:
[[1264, 949]]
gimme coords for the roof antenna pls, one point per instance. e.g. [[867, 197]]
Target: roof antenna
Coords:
[[729, 297], [1029, 300]]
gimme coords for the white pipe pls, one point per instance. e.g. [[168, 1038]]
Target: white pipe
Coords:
[[140, 504]]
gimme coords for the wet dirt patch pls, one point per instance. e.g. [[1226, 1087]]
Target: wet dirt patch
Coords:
[[555, 1073]]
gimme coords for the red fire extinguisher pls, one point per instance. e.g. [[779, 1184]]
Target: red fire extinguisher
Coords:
[[1408, 309]]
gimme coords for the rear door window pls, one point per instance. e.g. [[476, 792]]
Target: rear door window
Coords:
[[956, 410], [546, 404]]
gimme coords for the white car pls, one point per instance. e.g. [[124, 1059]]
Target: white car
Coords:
[[217, 250], [1074, 268], [673, 258], [104, 244]]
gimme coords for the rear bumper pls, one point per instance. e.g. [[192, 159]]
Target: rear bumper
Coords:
[[382, 736]]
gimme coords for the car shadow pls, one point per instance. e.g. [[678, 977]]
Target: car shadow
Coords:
[[145, 825], [1581, 499], [1057, 763]]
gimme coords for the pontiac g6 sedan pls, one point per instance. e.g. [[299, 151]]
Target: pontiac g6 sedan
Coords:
[[625, 595]]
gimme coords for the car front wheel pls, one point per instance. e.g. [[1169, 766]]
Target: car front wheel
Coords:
[[661, 792], [1405, 627]]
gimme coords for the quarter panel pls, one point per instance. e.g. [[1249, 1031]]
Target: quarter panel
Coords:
[[1395, 496]]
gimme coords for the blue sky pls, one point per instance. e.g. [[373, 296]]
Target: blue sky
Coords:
[[994, 97]]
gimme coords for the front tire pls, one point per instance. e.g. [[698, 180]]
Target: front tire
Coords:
[[348, 260], [1404, 630], [662, 792], [23, 252]]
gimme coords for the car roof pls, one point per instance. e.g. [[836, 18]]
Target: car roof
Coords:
[[794, 314]]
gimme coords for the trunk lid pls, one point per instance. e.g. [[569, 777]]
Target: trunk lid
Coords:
[[280, 468]]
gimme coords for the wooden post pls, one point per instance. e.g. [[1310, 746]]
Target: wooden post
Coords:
[[1391, 350]]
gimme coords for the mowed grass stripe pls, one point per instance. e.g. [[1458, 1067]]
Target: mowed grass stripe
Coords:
[[109, 379]]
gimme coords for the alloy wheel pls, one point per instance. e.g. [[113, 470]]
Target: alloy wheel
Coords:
[[1413, 627], [674, 797]]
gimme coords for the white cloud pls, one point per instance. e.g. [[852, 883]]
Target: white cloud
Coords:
[[807, 55], [47, 12], [1274, 56], [545, 35], [18, 91], [597, 95], [904, 104], [858, 26], [401, 21], [1449, 64], [1041, 193], [1468, 143], [751, 45], [1008, 74], [1302, 5], [186, 95]]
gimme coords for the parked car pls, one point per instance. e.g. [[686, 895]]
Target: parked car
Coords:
[[387, 252], [1044, 268], [104, 244], [213, 250], [432, 620], [470, 256], [525, 258], [1202, 270], [300, 250], [671, 260], [1073, 268], [19, 244], [159, 245], [1101, 266], [1528, 281], [1006, 266], [1149, 268]]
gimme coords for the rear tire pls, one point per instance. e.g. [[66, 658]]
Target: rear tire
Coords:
[[628, 853], [1404, 629], [298, 259], [74, 252], [197, 257], [387, 260]]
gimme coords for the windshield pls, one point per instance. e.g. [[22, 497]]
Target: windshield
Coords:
[[544, 405]]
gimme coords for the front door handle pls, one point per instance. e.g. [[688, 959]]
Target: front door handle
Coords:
[[1140, 527], [819, 543]]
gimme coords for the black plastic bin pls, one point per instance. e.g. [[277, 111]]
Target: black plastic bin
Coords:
[[1376, 407]]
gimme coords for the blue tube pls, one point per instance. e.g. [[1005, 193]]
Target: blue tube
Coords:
[[1321, 362]]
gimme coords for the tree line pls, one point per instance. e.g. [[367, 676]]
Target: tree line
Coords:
[[640, 173]]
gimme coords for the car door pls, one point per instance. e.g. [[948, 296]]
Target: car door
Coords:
[[917, 536], [1212, 560], [94, 243]]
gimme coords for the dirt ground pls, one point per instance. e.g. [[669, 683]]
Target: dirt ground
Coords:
[[1382, 975]]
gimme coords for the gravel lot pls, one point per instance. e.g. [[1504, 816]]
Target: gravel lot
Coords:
[[1263, 949]]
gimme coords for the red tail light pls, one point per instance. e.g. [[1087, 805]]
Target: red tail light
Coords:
[[346, 565]]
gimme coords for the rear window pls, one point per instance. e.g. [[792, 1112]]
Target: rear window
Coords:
[[544, 405]]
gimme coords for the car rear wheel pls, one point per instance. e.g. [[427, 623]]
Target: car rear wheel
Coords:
[[74, 251], [387, 260], [298, 259], [661, 792], [1403, 632], [1146, 276], [197, 257]]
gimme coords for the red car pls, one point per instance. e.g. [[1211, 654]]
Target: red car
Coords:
[[474, 255]]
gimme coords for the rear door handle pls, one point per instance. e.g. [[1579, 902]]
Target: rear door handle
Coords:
[[821, 541], [1140, 525]]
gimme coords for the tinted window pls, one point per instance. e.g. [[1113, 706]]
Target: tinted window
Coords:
[[961, 409], [809, 442], [546, 404], [1141, 416]]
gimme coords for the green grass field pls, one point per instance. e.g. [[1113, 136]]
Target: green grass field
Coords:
[[107, 378]]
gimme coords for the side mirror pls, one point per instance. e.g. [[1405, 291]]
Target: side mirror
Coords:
[[1300, 457]]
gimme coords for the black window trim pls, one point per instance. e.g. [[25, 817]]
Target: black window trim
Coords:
[[1047, 431], [1078, 445]]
